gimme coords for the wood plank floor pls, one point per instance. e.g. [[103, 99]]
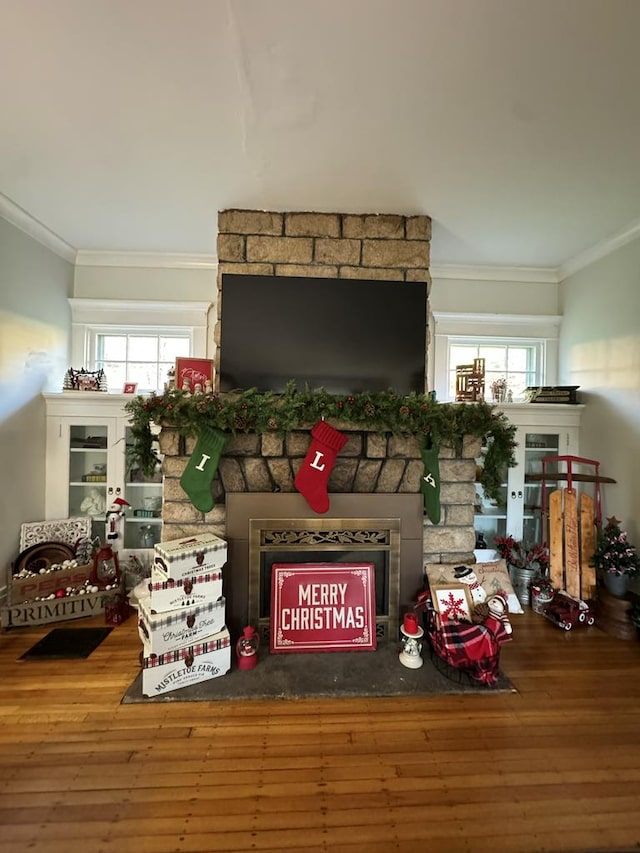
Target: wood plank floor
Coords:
[[553, 767]]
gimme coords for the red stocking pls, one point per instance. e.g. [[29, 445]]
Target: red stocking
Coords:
[[311, 479]]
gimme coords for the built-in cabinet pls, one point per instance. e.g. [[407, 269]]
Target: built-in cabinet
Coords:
[[88, 466], [542, 430]]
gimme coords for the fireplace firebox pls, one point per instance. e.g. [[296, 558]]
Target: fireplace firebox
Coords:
[[263, 529]]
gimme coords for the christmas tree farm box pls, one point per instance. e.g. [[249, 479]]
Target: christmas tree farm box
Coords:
[[187, 558]]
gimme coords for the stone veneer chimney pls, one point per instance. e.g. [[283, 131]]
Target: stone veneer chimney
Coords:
[[329, 245]]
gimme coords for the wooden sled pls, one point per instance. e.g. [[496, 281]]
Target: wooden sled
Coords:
[[573, 521]]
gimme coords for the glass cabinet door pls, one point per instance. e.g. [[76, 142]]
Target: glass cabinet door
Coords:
[[143, 519], [537, 445], [89, 473], [490, 514]]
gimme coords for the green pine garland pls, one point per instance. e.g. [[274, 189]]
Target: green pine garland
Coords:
[[251, 411]]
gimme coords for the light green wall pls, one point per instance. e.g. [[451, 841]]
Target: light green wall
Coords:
[[476, 296], [193, 284], [34, 334], [600, 352]]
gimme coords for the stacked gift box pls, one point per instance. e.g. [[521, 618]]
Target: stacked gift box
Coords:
[[182, 620]]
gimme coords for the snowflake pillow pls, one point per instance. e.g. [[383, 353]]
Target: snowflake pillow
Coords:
[[483, 579]]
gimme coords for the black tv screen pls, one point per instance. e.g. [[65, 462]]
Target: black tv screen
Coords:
[[347, 336]]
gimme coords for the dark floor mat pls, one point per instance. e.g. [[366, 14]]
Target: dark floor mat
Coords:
[[67, 643]]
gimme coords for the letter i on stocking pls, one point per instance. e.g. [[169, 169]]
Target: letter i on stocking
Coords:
[[313, 476]]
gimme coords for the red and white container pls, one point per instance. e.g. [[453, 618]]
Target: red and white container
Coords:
[[183, 667], [167, 594], [177, 629], [186, 558]]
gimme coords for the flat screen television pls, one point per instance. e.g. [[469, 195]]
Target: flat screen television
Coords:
[[347, 336]]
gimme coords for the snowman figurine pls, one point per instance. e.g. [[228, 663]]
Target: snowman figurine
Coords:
[[499, 609], [466, 575], [115, 523]]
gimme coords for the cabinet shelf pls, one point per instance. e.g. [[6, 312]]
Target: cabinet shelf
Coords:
[[84, 484]]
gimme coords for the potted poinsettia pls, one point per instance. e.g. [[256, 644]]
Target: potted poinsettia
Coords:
[[522, 556], [527, 564], [615, 558]]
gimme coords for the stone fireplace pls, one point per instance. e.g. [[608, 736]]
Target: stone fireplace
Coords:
[[376, 477]]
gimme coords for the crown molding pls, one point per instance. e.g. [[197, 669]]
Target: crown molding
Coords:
[[476, 272], [152, 260], [599, 251], [15, 215]]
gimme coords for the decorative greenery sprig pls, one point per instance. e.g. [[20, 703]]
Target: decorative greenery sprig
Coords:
[[522, 556], [252, 411]]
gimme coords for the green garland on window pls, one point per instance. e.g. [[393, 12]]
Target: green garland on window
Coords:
[[251, 411]]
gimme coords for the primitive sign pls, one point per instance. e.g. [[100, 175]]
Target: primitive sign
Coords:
[[322, 607]]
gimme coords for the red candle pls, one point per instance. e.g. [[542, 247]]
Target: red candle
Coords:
[[410, 623]]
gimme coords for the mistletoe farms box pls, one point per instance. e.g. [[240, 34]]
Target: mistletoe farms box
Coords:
[[183, 667], [186, 558], [166, 632]]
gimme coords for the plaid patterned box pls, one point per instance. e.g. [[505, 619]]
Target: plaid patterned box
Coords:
[[167, 594], [166, 632], [209, 659], [185, 558]]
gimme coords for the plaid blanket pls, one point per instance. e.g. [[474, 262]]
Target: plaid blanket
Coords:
[[473, 648]]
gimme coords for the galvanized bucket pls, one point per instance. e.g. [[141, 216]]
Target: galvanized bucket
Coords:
[[522, 580]]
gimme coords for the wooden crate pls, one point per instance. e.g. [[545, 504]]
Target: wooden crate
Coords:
[[53, 610], [26, 589]]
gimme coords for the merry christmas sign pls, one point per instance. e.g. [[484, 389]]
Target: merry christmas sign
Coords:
[[322, 607]]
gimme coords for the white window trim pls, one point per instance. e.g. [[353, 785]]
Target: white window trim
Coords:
[[527, 327], [87, 314]]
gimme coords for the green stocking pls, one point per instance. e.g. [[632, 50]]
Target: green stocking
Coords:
[[430, 483], [198, 475]]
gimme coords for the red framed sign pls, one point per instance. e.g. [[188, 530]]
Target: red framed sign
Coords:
[[322, 607], [194, 375]]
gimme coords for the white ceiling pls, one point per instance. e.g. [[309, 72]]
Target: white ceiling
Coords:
[[515, 124]]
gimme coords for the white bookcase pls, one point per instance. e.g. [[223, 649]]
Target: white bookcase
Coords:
[[87, 466], [542, 430]]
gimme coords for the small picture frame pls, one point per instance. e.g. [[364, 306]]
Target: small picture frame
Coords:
[[129, 387], [452, 602], [194, 375]]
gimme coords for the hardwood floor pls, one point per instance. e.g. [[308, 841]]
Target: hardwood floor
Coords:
[[553, 767]]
